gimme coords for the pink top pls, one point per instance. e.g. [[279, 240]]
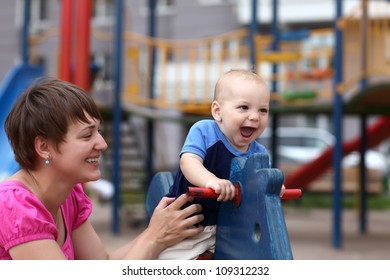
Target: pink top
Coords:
[[24, 218]]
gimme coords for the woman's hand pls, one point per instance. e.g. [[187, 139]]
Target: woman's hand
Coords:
[[170, 224]]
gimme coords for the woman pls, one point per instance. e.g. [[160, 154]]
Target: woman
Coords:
[[53, 129]]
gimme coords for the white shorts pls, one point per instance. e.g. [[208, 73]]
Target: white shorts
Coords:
[[191, 248]]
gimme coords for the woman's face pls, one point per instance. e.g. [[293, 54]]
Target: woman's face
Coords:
[[77, 158]]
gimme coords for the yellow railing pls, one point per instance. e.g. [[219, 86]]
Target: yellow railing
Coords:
[[373, 62], [185, 71], [37, 39]]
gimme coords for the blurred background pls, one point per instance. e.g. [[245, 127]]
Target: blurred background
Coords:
[[151, 66]]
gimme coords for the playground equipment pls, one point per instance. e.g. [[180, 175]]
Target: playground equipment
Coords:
[[12, 86], [253, 229], [153, 64], [187, 70], [312, 170]]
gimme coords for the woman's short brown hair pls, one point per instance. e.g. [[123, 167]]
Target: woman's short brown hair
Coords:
[[46, 108]]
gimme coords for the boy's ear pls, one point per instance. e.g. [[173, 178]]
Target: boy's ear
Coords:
[[215, 110]]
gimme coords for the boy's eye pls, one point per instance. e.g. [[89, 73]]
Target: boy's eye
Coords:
[[264, 110], [244, 107]]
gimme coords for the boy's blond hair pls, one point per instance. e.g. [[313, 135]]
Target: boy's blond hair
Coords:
[[222, 84]]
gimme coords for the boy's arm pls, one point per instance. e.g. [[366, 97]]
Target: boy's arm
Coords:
[[193, 169]]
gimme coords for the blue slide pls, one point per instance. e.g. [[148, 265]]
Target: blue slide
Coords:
[[13, 84]]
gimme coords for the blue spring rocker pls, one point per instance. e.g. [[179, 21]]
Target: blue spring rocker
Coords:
[[256, 228]]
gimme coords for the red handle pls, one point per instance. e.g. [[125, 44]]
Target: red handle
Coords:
[[202, 192], [292, 193], [209, 193]]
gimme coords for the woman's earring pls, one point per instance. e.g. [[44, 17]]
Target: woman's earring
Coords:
[[47, 162]]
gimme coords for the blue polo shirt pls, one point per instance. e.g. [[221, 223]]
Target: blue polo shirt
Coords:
[[206, 140]]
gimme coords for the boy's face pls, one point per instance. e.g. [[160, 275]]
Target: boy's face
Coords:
[[242, 112]]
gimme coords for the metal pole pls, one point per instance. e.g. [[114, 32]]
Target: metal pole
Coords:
[[24, 34], [363, 126], [274, 86], [363, 176], [82, 49], [65, 46], [337, 120], [117, 114], [252, 35], [150, 123]]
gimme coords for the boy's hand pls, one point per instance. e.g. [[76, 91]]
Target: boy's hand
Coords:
[[223, 187], [282, 190]]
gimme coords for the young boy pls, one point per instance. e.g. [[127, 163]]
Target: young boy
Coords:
[[240, 110]]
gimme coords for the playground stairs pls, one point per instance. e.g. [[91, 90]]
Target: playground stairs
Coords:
[[132, 169]]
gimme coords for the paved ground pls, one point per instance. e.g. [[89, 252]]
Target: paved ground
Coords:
[[310, 233]]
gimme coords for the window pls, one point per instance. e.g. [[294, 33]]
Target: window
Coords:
[[103, 12], [164, 7], [215, 2], [104, 61], [39, 15]]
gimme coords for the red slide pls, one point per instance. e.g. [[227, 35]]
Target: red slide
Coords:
[[307, 173]]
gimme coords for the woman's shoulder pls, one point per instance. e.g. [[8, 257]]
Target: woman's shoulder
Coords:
[[11, 183], [19, 206], [18, 202], [16, 196], [13, 189]]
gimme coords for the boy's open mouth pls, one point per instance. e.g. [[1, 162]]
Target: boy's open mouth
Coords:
[[247, 131]]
